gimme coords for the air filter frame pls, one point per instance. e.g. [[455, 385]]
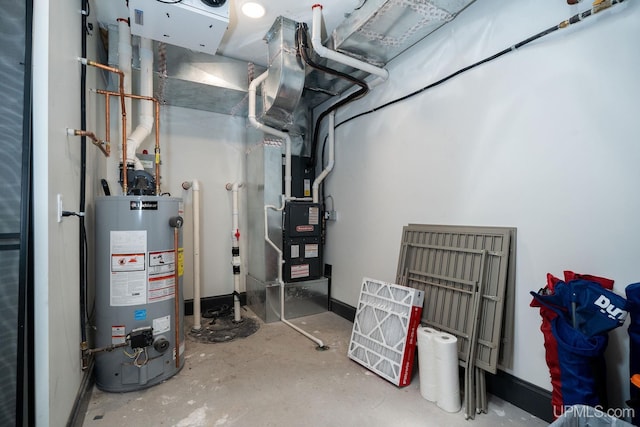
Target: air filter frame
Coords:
[[384, 332]]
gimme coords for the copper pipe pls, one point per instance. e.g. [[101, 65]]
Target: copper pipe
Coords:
[[124, 118], [157, 149], [126, 95], [96, 141], [176, 296], [107, 117], [157, 120]]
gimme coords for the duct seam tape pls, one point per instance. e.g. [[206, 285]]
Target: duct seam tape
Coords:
[[427, 363], [448, 382]]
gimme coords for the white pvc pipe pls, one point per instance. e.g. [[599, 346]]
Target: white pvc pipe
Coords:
[[329, 168], [280, 281], [195, 188], [256, 124], [316, 41], [146, 119], [236, 261]]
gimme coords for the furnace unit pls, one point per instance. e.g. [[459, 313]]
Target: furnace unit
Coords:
[[301, 235]]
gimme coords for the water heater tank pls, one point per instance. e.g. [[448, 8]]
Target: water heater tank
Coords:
[[137, 263]]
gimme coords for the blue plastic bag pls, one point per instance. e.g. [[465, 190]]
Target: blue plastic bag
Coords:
[[586, 306]]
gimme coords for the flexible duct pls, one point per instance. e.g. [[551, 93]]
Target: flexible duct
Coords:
[[145, 121], [195, 188], [236, 261]]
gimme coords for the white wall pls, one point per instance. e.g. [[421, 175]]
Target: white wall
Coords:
[[56, 77], [544, 139]]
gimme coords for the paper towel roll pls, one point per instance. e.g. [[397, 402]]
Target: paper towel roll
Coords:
[[446, 354], [427, 363]]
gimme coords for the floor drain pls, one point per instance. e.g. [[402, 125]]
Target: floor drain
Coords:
[[224, 329]]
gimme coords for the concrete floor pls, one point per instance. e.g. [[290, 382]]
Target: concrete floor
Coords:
[[276, 377]]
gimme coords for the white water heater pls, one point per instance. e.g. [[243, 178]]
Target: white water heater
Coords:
[[139, 337]]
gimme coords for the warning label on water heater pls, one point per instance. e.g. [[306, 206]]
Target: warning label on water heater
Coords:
[[162, 270], [128, 284]]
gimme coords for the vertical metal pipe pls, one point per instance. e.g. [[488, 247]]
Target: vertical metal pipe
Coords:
[[107, 114], [157, 148], [176, 290]]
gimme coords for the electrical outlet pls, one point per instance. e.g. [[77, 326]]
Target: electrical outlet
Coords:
[[331, 215], [59, 207]]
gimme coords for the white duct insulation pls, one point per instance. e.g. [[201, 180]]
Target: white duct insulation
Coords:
[[235, 250], [329, 168], [272, 131], [316, 41], [195, 188], [280, 264], [125, 54], [145, 121]]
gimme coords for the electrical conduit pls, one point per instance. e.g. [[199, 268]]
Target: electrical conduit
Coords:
[[235, 250], [195, 188], [324, 52]]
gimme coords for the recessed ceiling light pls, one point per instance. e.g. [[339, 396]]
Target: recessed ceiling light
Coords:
[[253, 10]]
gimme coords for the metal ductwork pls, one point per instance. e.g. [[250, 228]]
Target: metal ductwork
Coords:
[[380, 30], [195, 80], [376, 32], [283, 87]]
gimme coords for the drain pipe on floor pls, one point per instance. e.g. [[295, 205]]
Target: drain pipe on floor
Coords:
[[318, 341], [195, 188], [235, 250]]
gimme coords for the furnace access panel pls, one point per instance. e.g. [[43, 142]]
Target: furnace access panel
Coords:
[[302, 232]]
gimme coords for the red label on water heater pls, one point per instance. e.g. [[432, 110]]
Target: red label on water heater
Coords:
[[304, 228]]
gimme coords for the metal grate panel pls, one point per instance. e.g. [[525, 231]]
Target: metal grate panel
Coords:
[[447, 262], [384, 330]]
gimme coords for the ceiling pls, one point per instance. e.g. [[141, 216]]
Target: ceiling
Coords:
[[243, 39]]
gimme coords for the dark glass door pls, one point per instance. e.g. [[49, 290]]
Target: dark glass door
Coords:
[[16, 393]]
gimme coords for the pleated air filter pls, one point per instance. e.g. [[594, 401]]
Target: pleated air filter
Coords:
[[384, 330]]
